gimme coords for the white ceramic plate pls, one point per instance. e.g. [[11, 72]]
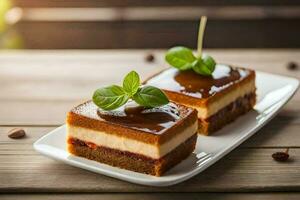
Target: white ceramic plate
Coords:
[[273, 92]]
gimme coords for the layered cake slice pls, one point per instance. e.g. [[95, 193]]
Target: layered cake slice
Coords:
[[132, 137], [219, 98], [220, 93]]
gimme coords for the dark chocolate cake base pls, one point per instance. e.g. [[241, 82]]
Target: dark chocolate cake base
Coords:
[[132, 161], [228, 114]]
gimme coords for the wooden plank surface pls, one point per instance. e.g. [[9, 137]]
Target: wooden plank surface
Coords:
[[154, 3], [162, 196], [38, 88], [248, 23], [49, 84], [247, 169]]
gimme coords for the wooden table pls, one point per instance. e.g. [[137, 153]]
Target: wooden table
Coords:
[[37, 88]]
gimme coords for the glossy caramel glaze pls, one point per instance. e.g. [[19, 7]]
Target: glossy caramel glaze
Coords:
[[152, 120], [195, 85]]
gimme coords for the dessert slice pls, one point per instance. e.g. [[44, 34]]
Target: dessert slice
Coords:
[[219, 98], [132, 137]]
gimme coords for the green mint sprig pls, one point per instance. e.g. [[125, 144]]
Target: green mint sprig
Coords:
[[183, 58], [114, 96]]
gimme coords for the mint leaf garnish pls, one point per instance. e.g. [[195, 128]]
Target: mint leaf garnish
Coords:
[[114, 96], [150, 96], [131, 83], [180, 58], [204, 66], [110, 98], [183, 58]]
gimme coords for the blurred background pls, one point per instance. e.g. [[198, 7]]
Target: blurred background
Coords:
[[110, 24]]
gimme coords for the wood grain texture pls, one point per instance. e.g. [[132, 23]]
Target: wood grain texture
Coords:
[[245, 169], [133, 3], [27, 171], [50, 83], [57, 75], [147, 196], [266, 33], [38, 88]]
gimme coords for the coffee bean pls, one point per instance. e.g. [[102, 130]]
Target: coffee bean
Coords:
[[292, 66], [150, 57], [281, 156], [16, 133]]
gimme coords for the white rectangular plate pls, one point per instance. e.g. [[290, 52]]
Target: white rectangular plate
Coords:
[[273, 92]]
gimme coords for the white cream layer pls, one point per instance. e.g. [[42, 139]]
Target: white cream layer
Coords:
[[126, 144], [212, 108]]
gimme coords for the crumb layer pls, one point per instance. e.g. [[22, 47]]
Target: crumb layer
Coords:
[[132, 161], [228, 114]]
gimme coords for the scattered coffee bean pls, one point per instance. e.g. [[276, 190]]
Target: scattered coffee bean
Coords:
[[292, 66], [16, 133], [150, 57], [281, 156]]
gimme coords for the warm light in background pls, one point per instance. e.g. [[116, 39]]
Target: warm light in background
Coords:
[[9, 38]]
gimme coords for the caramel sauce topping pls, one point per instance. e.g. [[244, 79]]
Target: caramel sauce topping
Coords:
[[152, 120], [196, 85]]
